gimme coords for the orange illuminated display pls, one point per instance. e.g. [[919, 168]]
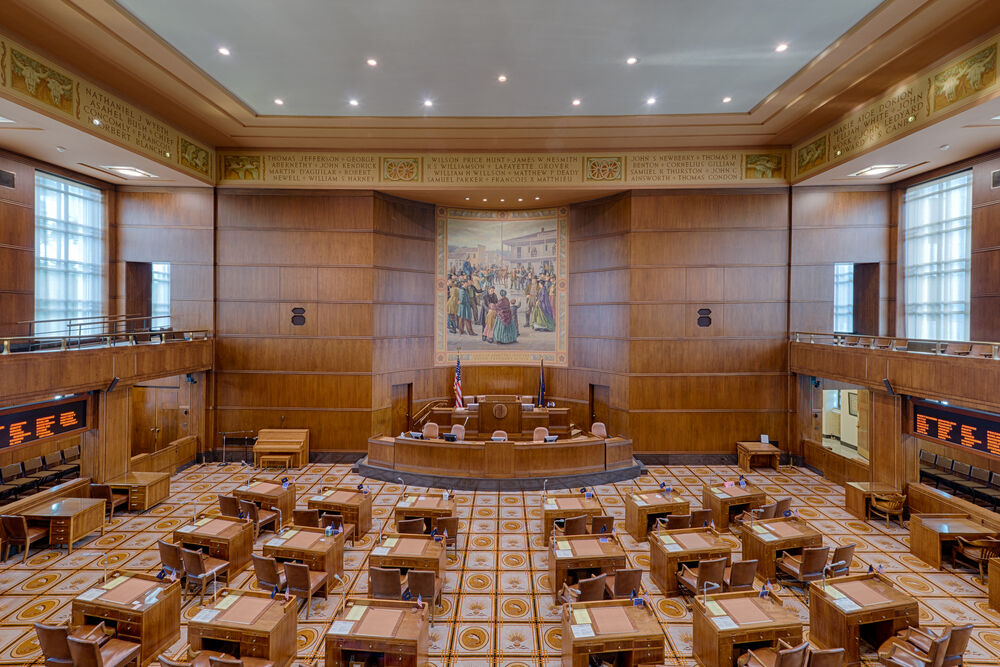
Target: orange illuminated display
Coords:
[[30, 423], [67, 419], [968, 429], [968, 436], [43, 426], [18, 434]]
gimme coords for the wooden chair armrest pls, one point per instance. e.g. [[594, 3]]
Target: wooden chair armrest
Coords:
[[782, 644], [902, 648]]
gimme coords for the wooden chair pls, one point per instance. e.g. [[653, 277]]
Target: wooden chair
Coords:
[[202, 659], [599, 429], [782, 656], [602, 524], [269, 572], [13, 475], [260, 518], [199, 567], [768, 511], [71, 461], [499, 434], [674, 521], [416, 526], [226, 661], [309, 518], [54, 641], [17, 532], [960, 349], [337, 522], [920, 640], [887, 505], [978, 552], [740, 575], [229, 506], [700, 518], [782, 505], [574, 525], [808, 567], [112, 653], [830, 657], [427, 586], [458, 430], [840, 561], [587, 590], [386, 583], [111, 498], [170, 558], [303, 583], [34, 468], [903, 655], [448, 528], [706, 575], [431, 430], [539, 434], [623, 583], [53, 463]]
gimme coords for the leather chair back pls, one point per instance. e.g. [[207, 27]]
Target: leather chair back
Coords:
[[385, 583], [412, 526], [306, 518], [266, 570], [626, 581], [431, 430], [599, 429], [539, 434], [575, 525], [741, 575], [229, 506], [54, 640]]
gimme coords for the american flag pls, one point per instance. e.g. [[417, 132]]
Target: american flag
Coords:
[[459, 402]]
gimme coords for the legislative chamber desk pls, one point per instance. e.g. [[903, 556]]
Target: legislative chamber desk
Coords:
[[68, 519], [858, 496], [669, 549], [643, 509], [859, 607], [728, 624], [575, 557], [613, 630], [409, 552], [312, 546], [749, 452], [139, 607], [931, 535], [566, 506], [380, 632], [728, 501], [993, 581], [227, 538], [767, 539], [269, 494], [355, 506], [290, 442], [144, 489], [427, 506], [511, 459], [501, 413], [248, 624]]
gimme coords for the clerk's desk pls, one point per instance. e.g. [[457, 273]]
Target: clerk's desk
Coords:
[[496, 412]]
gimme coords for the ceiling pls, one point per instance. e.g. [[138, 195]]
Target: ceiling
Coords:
[[312, 55]]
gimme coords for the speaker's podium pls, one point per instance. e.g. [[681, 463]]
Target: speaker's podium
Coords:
[[517, 416]]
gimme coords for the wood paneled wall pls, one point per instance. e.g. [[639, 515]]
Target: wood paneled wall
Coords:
[[985, 279], [17, 249]]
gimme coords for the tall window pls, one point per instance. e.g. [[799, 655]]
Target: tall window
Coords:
[[843, 297], [69, 252], [161, 295], [937, 247]]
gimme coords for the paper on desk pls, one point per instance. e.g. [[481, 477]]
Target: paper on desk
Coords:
[[724, 622], [672, 547], [120, 579], [356, 612], [640, 501], [768, 537], [847, 604], [833, 592], [564, 553], [562, 544], [666, 539], [341, 627], [202, 522], [186, 529], [291, 533], [391, 542], [275, 542], [714, 608], [329, 492], [380, 551], [404, 503], [581, 616], [227, 602], [206, 615], [717, 491], [318, 497], [583, 630], [757, 528], [92, 594]]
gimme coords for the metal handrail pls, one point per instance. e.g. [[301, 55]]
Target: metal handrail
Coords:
[[106, 323], [425, 411], [64, 343], [979, 349]]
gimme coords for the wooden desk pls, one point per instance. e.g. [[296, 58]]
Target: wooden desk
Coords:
[[993, 581], [564, 507], [68, 519], [575, 557], [726, 502], [353, 505], [406, 552], [248, 624], [292, 441], [729, 623], [222, 537], [932, 534], [669, 549], [643, 509], [140, 607], [862, 606], [269, 494], [747, 452], [611, 626], [310, 546], [144, 489], [858, 496], [769, 538], [428, 506], [392, 630]]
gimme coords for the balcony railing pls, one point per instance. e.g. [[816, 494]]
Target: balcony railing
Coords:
[[21, 344], [960, 348]]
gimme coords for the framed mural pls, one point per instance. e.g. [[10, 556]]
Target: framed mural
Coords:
[[501, 290]]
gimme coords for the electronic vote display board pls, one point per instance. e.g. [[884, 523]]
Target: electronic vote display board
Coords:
[[31, 423], [967, 429]]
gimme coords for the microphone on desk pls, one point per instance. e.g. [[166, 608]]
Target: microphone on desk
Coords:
[[544, 484], [402, 493], [343, 591]]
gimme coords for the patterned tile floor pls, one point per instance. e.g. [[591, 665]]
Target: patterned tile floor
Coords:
[[497, 600]]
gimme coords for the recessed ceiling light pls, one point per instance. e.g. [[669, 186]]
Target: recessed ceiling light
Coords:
[[224, 51], [577, 102], [372, 62], [484, 198], [878, 169], [520, 199], [631, 60], [353, 102], [781, 48], [727, 100], [129, 172], [279, 101], [502, 199], [502, 78], [650, 100], [944, 147], [537, 198], [428, 103], [96, 121], [466, 199], [5, 120]]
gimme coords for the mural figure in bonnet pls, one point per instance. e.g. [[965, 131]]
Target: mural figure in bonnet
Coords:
[[542, 318], [465, 313], [505, 328]]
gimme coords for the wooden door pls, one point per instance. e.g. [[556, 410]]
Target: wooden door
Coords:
[[167, 416], [143, 419], [600, 396], [402, 404]]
